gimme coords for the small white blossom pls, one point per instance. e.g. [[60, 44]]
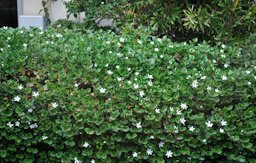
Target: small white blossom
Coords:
[[17, 99], [102, 90], [223, 123], [178, 112], [249, 83], [76, 160], [10, 124], [223, 56], [76, 85], [152, 43], [221, 130], [137, 73], [20, 87], [191, 128], [108, 42], [161, 56], [222, 51], [171, 109], [32, 126], [209, 124], [150, 83], [157, 110], [223, 46], [110, 72], [156, 50], [35, 94], [225, 65], [136, 86], [150, 76], [217, 90], [204, 140], [86, 144], [182, 121], [159, 39], [129, 82], [214, 61], [119, 79], [59, 35], [142, 93], [5, 27], [152, 137], [138, 125], [194, 84], [129, 69], [30, 110], [149, 151], [134, 154], [119, 54], [161, 144], [121, 39], [139, 42], [44, 137], [203, 77], [117, 67], [184, 106], [17, 123], [54, 104], [93, 161], [247, 72], [224, 77], [25, 45], [169, 154]]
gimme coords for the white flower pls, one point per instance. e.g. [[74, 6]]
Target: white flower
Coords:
[[119, 44], [194, 84], [32, 126], [102, 90], [225, 65], [221, 130], [161, 56], [54, 104], [247, 72], [139, 42], [223, 46], [137, 73], [156, 50], [223, 56], [93, 161], [203, 77], [214, 61], [5, 27], [44, 137], [161, 144], [76, 85], [157, 110], [169, 154], [249, 83], [110, 52], [222, 51], [110, 72], [209, 124], [119, 79], [134, 154], [106, 65], [121, 39], [76, 160], [136, 86], [184, 106], [223, 123], [183, 121], [17, 123], [170, 46], [129, 69], [171, 109], [10, 124], [191, 128], [58, 35], [152, 43], [142, 93], [159, 40], [35, 94], [20, 87], [178, 112], [86, 144], [217, 90], [25, 45], [149, 151], [138, 125], [150, 83], [204, 140], [17, 99], [117, 67], [119, 54], [108, 42], [152, 137], [30, 110], [224, 77], [150, 76], [129, 82]]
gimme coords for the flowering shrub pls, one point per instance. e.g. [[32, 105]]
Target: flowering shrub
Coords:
[[99, 97]]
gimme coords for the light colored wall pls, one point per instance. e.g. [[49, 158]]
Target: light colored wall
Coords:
[[56, 9]]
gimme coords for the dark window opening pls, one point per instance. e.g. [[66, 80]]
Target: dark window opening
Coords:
[[8, 13]]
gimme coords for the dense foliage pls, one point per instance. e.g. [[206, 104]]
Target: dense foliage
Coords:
[[99, 97], [179, 19]]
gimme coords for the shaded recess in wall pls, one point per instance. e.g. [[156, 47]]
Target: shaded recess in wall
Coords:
[[8, 13]]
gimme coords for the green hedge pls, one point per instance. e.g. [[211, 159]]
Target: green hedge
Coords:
[[101, 97]]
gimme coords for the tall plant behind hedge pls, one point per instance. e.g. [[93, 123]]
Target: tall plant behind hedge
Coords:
[[183, 18], [99, 97]]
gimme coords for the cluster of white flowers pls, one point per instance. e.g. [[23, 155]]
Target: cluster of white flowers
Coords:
[[34, 125], [54, 104], [86, 144]]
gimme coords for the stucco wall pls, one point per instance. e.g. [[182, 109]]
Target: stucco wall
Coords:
[[57, 9]]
